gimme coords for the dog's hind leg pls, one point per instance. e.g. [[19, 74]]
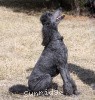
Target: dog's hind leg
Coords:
[[69, 86], [41, 83]]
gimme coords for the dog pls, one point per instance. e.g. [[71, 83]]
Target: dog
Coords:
[[53, 60]]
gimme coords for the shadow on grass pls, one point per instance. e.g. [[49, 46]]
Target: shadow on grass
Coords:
[[25, 6], [85, 75]]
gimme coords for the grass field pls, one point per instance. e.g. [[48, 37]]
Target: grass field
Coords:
[[20, 48]]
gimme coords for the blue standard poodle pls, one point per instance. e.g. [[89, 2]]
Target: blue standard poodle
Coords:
[[53, 60]]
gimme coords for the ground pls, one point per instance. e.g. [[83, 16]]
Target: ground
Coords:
[[20, 48]]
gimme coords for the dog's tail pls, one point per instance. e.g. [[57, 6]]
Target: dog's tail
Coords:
[[19, 89]]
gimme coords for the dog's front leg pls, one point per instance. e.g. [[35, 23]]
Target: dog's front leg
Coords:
[[69, 86]]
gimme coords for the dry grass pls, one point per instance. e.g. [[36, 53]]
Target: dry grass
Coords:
[[20, 47]]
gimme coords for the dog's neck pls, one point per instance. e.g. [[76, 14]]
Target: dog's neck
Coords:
[[50, 34]]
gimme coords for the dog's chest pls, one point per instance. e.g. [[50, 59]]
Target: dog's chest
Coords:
[[53, 71]]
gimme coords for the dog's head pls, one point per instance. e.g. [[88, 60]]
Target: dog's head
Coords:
[[52, 17]]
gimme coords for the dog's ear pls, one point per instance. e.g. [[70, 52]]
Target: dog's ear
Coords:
[[43, 19]]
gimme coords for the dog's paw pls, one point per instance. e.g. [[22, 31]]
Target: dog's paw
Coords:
[[69, 89]]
